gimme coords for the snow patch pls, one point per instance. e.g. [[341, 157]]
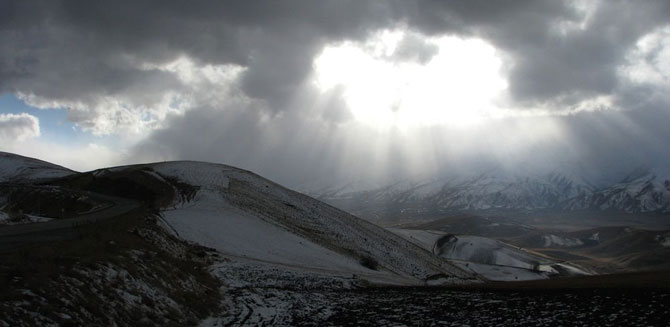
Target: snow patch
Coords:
[[664, 240], [487, 251], [554, 240], [22, 219], [232, 231]]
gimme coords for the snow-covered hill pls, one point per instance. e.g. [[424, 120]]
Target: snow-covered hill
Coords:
[[243, 215], [15, 168], [231, 235]]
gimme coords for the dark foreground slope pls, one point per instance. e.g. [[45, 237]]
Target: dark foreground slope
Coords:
[[123, 271], [617, 300], [437, 307]]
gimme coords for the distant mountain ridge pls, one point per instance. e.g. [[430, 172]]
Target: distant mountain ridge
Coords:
[[641, 191]]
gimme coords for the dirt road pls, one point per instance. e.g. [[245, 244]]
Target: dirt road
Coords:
[[17, 236]]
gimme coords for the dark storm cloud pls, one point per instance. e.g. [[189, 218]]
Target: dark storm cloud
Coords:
[[89, 52], [413, 47], [85, 48], [548, 65], [586, 63], [91, 46]]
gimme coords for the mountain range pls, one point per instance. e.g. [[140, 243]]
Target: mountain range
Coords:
[[641, 191]]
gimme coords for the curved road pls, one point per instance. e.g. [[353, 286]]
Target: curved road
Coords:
[[16, 236]]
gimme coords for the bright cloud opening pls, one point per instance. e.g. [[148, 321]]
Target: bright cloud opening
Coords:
[[649, 60], [459, 85]]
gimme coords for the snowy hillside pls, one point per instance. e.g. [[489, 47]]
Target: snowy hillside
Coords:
[[243, 215], [14, 168], [239, 214]]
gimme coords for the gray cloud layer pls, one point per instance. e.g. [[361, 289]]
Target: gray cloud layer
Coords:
[[87, 49], [15, 127], [84, 54]]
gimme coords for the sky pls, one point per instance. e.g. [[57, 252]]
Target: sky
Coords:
[[325, 92]]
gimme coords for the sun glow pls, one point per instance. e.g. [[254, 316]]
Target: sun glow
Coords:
[[459, 84]]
